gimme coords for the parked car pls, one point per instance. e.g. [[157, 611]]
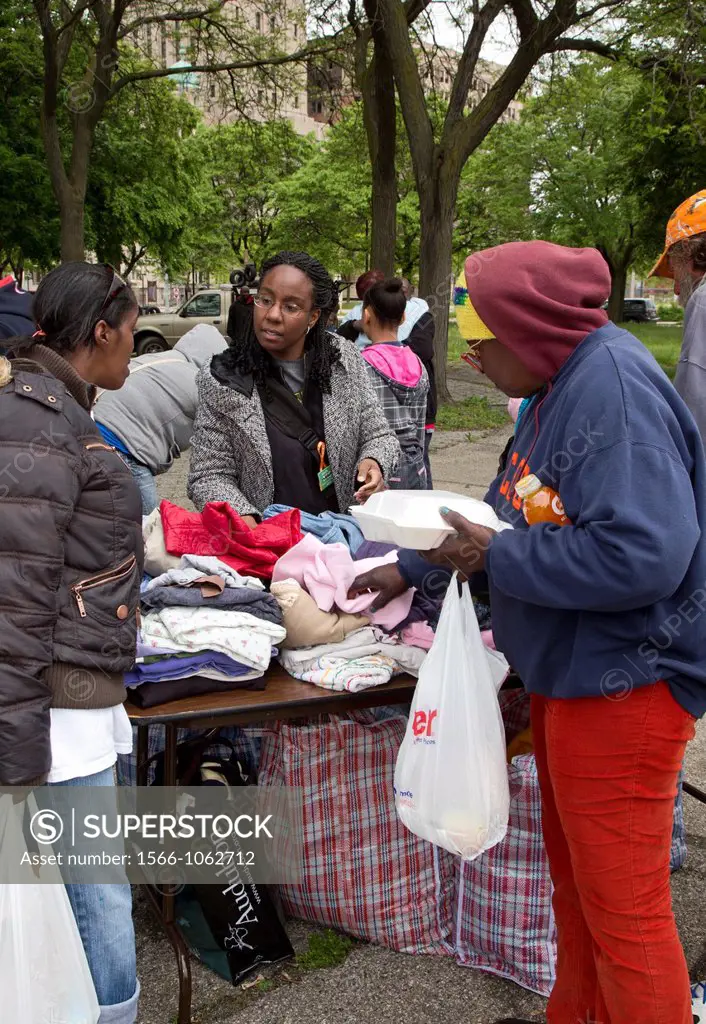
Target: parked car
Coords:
[[161, 331], [640, 310]]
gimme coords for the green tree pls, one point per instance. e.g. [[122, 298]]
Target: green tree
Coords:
[[494, 197], [670, 165], [327, 207], [248, 162], [570, 160], [147, 181], [90, 56], [29, 222], [439, 155]]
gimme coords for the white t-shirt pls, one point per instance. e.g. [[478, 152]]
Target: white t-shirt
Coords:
[[85, 742]]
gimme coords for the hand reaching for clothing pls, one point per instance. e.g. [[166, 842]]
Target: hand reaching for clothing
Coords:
[[371, 478], [250, 521], [387, 579]]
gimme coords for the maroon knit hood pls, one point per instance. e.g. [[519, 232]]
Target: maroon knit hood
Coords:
[[540, 300]]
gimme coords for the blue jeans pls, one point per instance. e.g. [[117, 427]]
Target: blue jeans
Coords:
[[146, 483], [428, 434], [104, 917]]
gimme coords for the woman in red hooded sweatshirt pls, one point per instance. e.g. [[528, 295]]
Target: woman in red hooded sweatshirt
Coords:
[[603, 619]]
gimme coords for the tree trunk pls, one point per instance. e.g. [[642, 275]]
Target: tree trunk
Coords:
[[70, 197], [437, 203], [72, 212], [18, 269], [377, 87], [618, 264], [618, 285], [384, 199]]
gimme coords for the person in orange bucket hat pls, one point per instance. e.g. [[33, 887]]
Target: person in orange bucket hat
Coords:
[[684, 260], [684, 255]]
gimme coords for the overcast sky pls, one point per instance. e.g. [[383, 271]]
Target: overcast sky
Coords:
[[498, 45]]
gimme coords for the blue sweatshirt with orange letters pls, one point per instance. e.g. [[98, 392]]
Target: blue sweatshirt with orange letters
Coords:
[[617, 600]]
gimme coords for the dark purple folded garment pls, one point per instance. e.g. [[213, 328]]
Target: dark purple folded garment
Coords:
[[149, 695], [373, 549], [163, 670]]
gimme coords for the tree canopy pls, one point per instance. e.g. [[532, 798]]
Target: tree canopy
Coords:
[[90, 52], [146, 183], [582, 167], [29, 221], [249, 164]]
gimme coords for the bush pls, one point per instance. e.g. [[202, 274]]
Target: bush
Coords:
[[670, 311]]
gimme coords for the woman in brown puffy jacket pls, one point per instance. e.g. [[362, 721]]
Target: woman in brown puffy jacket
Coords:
[[70, 570]]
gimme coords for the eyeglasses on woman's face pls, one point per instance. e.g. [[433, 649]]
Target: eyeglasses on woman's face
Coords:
[[472, 356], [288, 309]]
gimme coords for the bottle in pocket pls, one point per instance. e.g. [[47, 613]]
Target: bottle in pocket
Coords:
[[540, 503]]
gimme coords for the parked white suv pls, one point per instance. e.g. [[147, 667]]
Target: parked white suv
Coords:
[[157, 332]]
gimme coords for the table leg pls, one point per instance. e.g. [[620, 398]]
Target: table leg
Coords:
[[170, 779], [180, 951], [164, 900], [697, 794]]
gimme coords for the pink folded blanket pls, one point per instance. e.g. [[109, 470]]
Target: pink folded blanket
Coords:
[[327, 571]]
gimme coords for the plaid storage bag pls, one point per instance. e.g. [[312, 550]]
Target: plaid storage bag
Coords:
[[515, 708], [504, 919], [677, 857], [363, 872]]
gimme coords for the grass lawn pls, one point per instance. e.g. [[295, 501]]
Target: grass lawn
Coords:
[[663, 342], [473, 413], [456, 343]]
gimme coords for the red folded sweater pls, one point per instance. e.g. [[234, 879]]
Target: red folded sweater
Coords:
[[219, 531]]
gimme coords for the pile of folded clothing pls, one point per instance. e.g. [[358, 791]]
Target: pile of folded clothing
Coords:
[[337, 641], [209, 621], [206, 626]]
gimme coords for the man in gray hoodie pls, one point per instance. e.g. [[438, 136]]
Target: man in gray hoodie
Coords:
[[150, 420], [684, 259]]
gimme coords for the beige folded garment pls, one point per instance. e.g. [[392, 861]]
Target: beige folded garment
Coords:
[[306, 624], [157, 558]]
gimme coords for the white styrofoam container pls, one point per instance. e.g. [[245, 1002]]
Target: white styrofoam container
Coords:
[[411, 519]]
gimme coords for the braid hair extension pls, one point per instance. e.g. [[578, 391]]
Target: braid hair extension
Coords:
[[247, 355]]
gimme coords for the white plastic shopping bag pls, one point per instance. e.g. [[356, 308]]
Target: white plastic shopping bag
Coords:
[[451, 784], [44, 974]]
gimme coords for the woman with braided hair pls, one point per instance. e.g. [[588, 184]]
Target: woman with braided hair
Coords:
[[288, 414]]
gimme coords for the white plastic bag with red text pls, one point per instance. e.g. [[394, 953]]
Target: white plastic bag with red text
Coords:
[[451, 784]]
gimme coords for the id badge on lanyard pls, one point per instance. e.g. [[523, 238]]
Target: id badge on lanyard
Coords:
[[325, 474]]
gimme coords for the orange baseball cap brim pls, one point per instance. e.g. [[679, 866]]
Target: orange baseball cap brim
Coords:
[[662, 267], [687, 220]]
